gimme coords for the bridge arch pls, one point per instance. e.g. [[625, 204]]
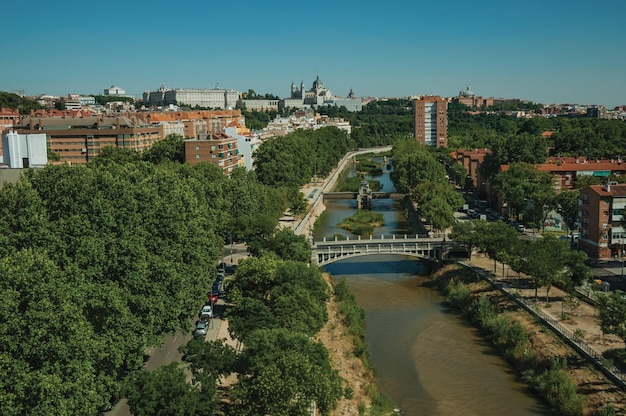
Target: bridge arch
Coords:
[[325, 252], [324, 261]]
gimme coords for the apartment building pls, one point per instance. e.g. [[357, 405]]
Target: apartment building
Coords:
[[565, 170], [247, 142], [195, 124], [431, 121], [80, 139], [217, 148], [602, 220], [8, 117], [471, 159], [23, 151]]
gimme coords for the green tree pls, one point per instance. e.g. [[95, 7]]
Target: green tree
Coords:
[[567, 206], [50, 350], [297, 309], [119, 155], [519, 184], [286, 373], [288, 246], [470, 233], [612, 314], [547, 262], [414, 165], [438, 213], [165, 391], [255, 277], [170, 149], [208, 360], [249, 315], [498, 239]]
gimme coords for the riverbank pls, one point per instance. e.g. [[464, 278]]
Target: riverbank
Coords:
[[591, 384]]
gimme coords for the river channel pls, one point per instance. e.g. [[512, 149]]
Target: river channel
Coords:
[[428, 360]]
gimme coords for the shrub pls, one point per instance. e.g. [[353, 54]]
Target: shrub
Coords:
[[559, 390], [457, 295]]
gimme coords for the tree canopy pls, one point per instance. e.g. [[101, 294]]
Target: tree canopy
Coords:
[[100, 261]]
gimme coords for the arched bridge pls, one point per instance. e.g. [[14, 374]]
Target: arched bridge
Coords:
[[328, 251]]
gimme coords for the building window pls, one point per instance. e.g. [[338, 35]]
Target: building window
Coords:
[[197, 147], [197, 156]]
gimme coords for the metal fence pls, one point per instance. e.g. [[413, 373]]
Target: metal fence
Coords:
[[575, 341]]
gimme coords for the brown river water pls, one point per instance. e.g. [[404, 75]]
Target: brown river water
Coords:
[[427, 359]]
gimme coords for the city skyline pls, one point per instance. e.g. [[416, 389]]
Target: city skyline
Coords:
[[556, 52]]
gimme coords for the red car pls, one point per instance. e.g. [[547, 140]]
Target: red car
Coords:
[[212, 297]]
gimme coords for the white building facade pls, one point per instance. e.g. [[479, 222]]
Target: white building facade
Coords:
[[205, 98], [24, 150], [246, 144]]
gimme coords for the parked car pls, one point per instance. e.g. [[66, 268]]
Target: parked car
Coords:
[[217, 287], [206, 313], [520, 227], [212, 297], [201, 329]]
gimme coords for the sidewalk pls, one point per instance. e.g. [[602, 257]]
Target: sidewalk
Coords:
[[582, 316]]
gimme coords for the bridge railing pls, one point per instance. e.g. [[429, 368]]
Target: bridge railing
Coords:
[[390, 237]]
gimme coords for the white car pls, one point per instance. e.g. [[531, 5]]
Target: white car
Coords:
[[206, 313]]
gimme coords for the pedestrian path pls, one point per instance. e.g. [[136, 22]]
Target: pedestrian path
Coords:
[[574, 319]]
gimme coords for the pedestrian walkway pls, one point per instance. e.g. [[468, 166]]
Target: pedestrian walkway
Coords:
[[582, 315], [573, 318]]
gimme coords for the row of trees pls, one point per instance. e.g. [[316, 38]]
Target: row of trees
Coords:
[[547, 260], [99, 261], [291, 161], [594, 138], [279, 306], [424, 175]]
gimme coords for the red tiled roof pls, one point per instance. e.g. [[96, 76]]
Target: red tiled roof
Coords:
[[615, 190], [587, 166]]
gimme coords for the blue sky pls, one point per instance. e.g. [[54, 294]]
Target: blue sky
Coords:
[[544, 51]]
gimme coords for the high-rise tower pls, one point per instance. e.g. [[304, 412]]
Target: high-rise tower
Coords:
[[431, 121]]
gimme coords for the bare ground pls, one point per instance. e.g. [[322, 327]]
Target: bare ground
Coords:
[[334, 335]]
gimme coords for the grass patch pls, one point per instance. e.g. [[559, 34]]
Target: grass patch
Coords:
[[363, 222], [353, 183]]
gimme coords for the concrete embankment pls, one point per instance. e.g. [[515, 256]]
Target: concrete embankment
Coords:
[[315, 192]]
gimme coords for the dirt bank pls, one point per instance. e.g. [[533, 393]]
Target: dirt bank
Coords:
[[591, 383]]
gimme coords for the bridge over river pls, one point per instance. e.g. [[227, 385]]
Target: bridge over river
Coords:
[[326, 251]]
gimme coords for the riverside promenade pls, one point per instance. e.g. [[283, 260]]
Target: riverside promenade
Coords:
[[573, 319]]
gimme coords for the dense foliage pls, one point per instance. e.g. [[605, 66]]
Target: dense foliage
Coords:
[[99, 261], [14, 101], [379, 123], [547, 261], [287, 294], [257, 120], [421, 173], [292, 160]]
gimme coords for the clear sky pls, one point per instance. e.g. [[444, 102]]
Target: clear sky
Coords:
[[549, 51]]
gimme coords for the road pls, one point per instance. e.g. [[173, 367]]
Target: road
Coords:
[[168, 352]]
